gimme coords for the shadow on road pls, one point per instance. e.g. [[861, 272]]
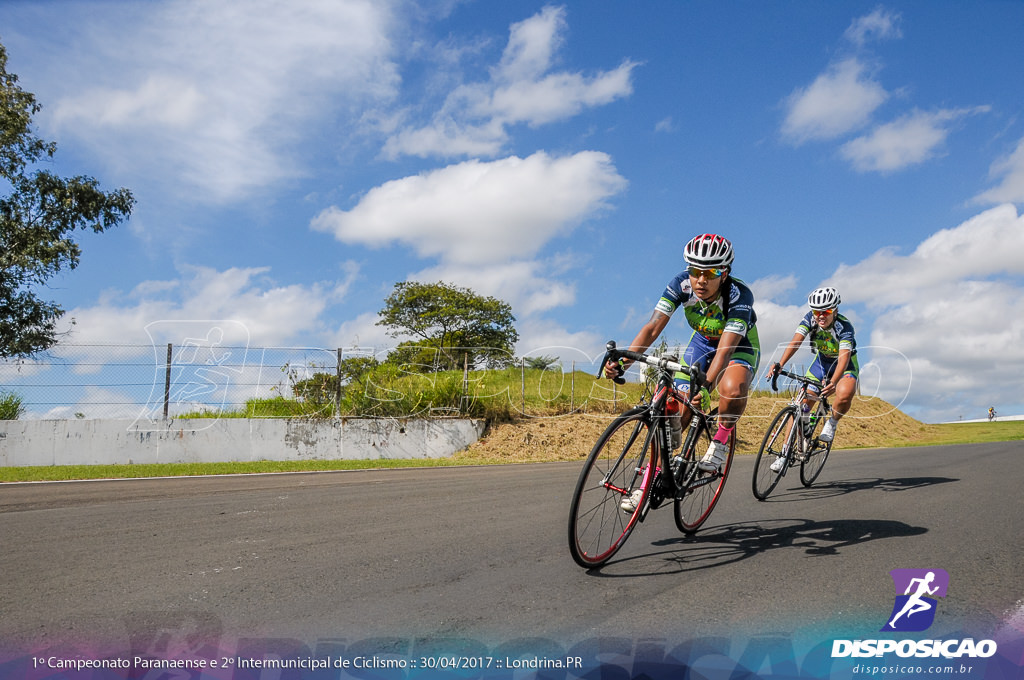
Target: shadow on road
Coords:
[[842, 487], [716, 546]]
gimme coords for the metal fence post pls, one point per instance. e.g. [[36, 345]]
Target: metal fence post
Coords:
[[572, 387], [337, 386], [167, 382], [523, 383], [465, 381]]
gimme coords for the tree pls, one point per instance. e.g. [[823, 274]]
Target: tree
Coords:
[[321, 388], [37, 220], [540, 363], [451, 323], [11, 406]]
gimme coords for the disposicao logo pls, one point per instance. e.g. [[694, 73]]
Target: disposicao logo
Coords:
[[913, 611], [915, 606]]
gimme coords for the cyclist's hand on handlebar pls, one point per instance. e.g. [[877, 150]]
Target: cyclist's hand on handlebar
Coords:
[[614, 369], [697, 399], [775, 369]]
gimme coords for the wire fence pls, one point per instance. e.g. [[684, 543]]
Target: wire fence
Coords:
[[170, 380]]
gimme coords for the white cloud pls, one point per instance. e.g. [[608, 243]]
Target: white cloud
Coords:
[[1011, 187], [843, 98], [530, 287], [363, 334], [770, 287], [909, 140], [251, 306], [480, 213], [474, 117], [839, 101], [775, 321], [950, 315], [197, 86], [532, 44], [543, 337], [881, 24], [987, 245]]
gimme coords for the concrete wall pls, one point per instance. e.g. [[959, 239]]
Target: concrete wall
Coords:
[[102, 442]]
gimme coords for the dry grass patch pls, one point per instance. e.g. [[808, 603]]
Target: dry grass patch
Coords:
[[871, 423]]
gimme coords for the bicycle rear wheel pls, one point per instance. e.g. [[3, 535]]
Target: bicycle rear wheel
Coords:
[[778, 443], [620, 463], [811, 468], [704, 488]]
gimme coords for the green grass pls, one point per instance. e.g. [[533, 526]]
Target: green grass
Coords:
[[61, 473], [494, 395], [972, 433]]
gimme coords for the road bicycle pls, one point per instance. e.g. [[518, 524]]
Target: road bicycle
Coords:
[[793, 439], [632, 470]]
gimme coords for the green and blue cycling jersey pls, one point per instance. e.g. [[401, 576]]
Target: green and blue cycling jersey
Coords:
[[827, 343], [730, 312]]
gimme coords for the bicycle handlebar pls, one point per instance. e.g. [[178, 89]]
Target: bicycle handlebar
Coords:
[[613, 353], [794, 376]]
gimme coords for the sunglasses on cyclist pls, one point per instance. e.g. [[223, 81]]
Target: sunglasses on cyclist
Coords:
[[697, 272], [822, 312]]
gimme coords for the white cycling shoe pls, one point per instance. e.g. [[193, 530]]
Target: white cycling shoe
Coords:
[[778, 466], [630, 502], [713, 459], [828, 432]]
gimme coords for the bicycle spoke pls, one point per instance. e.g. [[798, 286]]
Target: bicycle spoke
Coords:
[[811, 468], [618, 465], [778, 443], [703, 489]]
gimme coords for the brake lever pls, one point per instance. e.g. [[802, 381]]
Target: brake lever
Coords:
[[618, 379]]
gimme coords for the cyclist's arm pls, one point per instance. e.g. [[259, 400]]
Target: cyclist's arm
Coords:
[[792, 347], [644, 339]]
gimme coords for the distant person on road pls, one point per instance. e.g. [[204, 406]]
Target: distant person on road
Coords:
[[724, 343], [832, 340], [991, 413]]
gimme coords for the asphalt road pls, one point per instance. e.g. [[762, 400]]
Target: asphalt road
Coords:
[[480, 554]]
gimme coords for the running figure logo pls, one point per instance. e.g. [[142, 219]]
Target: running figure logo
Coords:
[[914, 609]]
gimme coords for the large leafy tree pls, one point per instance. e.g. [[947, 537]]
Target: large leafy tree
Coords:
[[39, 213], [451, 324]]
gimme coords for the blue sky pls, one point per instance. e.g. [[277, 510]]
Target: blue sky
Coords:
[[293, 161]]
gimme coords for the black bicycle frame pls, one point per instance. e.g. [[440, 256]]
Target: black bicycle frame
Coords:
[[656, 413]]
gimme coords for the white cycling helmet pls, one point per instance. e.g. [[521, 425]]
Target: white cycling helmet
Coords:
[[708, 251], [824, 298]]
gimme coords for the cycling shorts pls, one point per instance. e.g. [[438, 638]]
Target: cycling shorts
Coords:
[[822, 368], [700, 352]]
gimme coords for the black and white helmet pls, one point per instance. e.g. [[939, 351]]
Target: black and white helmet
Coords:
[[708, 251], [824, 298]]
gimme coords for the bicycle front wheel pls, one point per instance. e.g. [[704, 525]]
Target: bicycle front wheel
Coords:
[[811, 468], [778, 443], [704, 489], [601, 517]]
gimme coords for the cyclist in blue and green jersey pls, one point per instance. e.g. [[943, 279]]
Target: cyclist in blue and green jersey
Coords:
[[832, 340], [720, 311]]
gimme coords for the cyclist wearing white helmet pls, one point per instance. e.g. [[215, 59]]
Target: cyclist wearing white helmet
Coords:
[[720, 311], [832, 341]]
